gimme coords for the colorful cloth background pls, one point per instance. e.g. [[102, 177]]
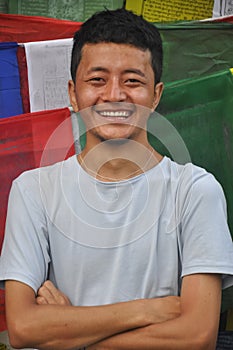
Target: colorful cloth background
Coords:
[[197, 102]]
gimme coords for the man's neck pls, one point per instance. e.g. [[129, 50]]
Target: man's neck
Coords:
[[116, 161]]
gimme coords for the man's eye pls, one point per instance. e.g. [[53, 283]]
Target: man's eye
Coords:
[[97, 79], [133, 82]]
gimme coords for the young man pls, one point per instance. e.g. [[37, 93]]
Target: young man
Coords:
[[118, 247]]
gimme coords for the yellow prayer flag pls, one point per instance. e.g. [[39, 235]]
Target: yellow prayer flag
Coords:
[[172, 10]]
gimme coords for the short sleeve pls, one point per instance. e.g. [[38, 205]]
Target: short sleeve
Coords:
[[205, 241], [25, 252]]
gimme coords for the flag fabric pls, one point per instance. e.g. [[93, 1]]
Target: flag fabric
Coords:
[[48, 65], [23, 75], [23, 29], [10, 98], [195, 49], [3, 325], [29, 141], [200, 110], [199, 128], [168, 10], [191, 49], [226, 19]]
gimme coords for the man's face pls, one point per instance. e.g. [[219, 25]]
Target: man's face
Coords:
[[112, 81]]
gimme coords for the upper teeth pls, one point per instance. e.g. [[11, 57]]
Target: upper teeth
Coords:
[[114, 114]]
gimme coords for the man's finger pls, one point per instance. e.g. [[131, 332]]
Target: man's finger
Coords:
[[41, 301], [46, 294], [52, 295]]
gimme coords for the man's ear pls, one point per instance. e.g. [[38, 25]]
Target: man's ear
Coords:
[[158, 93], [72, 95]]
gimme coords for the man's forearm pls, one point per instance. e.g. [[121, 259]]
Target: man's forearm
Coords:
[[54, 326], [67, 327], [195, 328], [176, 334]]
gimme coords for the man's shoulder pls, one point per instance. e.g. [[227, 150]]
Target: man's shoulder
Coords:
[[41, 174], [185, 172], [190, 177], [189, 170], [198, 184]]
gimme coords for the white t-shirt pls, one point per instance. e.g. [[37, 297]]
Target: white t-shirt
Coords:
[[105, 242]]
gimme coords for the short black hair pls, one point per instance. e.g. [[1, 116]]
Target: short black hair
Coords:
[[121, 27]]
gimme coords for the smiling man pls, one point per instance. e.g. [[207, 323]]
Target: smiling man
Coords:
[[118, 247], [115, 101]]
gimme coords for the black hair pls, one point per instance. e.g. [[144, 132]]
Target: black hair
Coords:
[[121, 27]]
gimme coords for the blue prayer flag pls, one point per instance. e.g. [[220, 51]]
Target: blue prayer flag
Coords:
[[10, 98]]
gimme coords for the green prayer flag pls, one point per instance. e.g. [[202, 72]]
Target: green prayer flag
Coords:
[[193, 49], [200, 111]]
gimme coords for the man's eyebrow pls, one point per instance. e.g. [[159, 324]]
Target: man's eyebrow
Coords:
[[97, 69], [135, 71], [105, 70]]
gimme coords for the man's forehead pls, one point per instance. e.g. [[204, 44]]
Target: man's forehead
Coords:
[[111, 45], [93, 51]]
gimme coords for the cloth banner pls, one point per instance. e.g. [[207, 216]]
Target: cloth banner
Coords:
[[23, 29], [190, 49], [195, 49], [201, 111], [10, 98], [199, 116], [48, 65], [29, 141], [171, 10], [23, 75], [226, 19]]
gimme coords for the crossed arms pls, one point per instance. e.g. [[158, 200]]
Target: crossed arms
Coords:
[[48, 321]]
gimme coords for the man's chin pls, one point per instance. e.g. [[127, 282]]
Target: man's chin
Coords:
[[112, 136]]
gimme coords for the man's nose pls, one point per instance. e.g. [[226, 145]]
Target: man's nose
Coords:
[[114, 92]]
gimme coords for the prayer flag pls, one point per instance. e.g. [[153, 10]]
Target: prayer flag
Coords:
[[23, 29], [10, 98], [29, 141], [196, 124]]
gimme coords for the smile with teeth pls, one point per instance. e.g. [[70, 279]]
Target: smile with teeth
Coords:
[[115, 114]]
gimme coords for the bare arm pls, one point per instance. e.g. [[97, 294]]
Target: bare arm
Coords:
[[195, 329], [58, 325]]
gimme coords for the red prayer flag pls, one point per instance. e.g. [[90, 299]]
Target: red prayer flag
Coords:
[[29, 141], [226, 19], [23, 29], [23, 76], [3, 326]]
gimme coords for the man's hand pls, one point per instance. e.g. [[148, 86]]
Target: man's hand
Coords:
[[49, 294]]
